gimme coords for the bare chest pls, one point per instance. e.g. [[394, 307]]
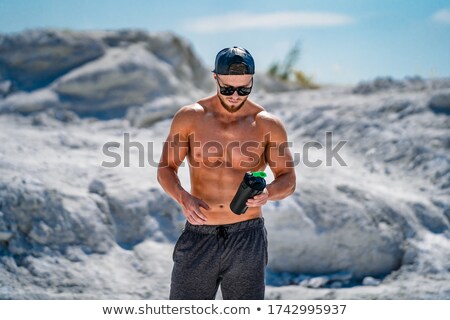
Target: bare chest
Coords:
[[237, 145]]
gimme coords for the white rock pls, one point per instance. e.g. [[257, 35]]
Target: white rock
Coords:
[[370, 281]]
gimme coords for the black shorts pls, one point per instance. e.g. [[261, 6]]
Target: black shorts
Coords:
[[232, 255]]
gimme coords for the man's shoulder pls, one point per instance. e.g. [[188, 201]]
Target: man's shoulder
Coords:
[[268, 119], [271, 125], [190, 109], [185, 118], [189, 112]]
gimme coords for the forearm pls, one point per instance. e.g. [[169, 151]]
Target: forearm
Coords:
[[169, 181], [282, 186]]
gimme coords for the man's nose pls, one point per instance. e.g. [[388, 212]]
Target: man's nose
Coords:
[[235, 95]]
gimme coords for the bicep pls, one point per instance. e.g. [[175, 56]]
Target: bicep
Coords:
[[278, 154], [174, 151], [176, 146]]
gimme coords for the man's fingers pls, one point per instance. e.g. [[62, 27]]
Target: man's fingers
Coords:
[[193, 212], [198, 213], [190, 220], [260, 196], [203, 204], [255, 202], [193, 218], [197, 210]]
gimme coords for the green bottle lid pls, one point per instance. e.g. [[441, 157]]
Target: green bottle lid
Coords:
[[259, 174]]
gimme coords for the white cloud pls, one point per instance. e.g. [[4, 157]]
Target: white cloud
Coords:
[[442, 16], [276, 20]]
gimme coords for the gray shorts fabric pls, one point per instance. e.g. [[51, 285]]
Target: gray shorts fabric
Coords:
[[232, 255]]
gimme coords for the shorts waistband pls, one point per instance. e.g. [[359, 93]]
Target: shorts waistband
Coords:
[[232, 227]]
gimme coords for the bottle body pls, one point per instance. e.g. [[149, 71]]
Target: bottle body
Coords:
[[252, 184]]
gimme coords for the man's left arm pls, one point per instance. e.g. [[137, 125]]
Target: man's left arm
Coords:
[[279, 158]]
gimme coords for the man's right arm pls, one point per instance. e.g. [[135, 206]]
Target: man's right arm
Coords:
[[174, 152]]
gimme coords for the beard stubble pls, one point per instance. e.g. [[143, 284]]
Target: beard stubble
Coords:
[[231, 109]]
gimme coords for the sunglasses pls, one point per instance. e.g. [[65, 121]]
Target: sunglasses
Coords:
[[228, 90]]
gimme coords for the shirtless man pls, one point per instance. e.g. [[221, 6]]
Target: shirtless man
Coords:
[[224, 136]]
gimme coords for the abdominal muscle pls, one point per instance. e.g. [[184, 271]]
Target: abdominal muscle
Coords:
[[217, 187]]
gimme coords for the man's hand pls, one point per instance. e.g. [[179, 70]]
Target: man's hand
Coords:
[[258, 200], [191, 208]]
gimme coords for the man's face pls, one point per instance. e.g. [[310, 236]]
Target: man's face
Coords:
[[234, 102]]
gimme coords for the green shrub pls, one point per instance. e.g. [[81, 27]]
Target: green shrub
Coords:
[[285, 70]]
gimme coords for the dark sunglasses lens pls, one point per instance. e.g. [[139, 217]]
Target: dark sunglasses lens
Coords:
[[227, 91], [244, 91]]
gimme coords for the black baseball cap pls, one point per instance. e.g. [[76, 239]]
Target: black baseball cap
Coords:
[[232, 56]]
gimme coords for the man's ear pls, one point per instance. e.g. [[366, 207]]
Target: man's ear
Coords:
[[214, 75]]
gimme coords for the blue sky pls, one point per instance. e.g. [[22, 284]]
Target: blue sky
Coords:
[[342, 41]]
